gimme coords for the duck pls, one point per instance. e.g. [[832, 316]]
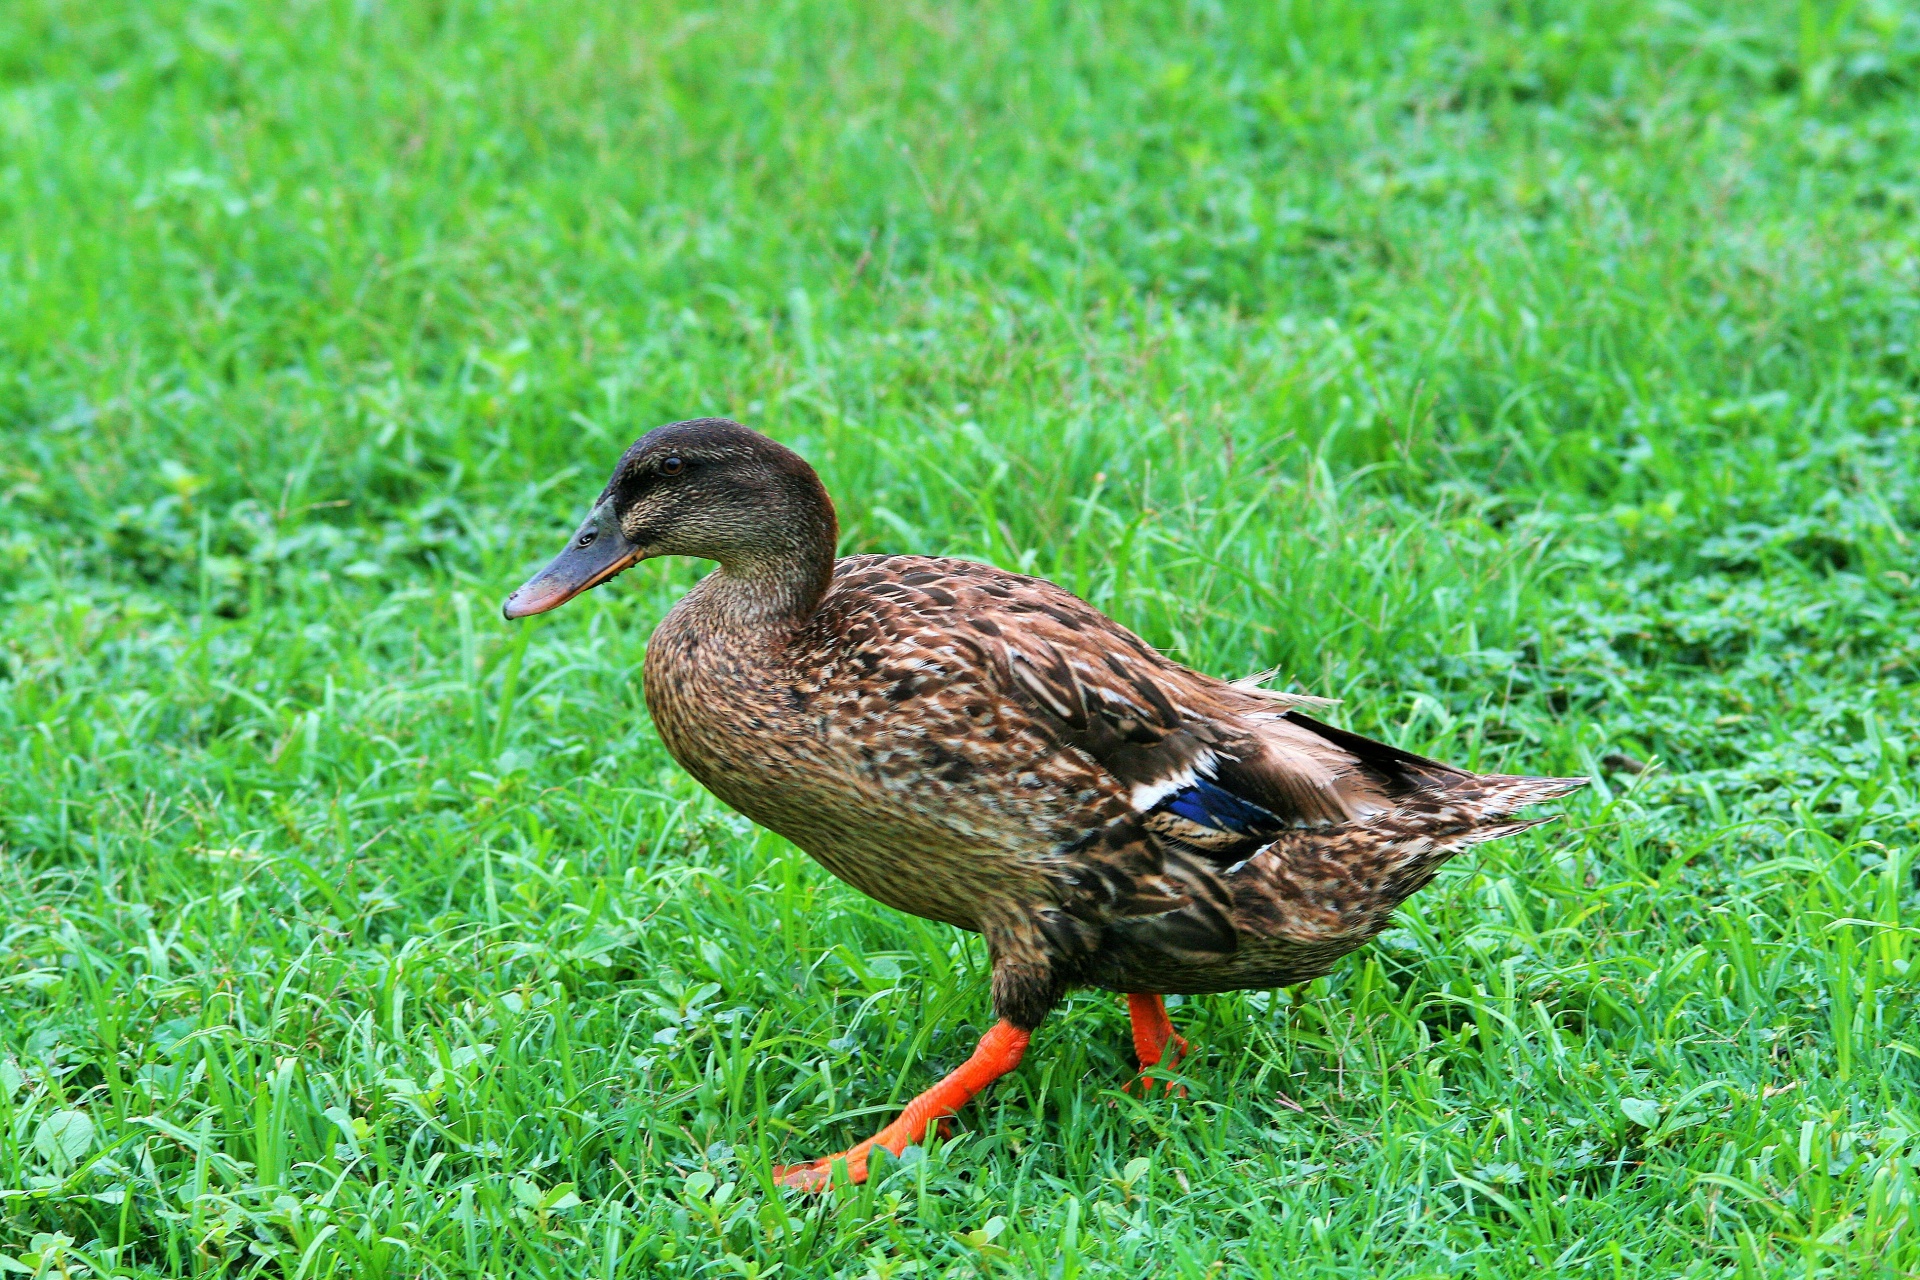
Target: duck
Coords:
[[985, 749]]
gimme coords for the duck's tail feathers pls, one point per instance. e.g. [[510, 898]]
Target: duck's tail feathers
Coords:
[[1343, 883], [1501, 830], [1255, 684], [1487, 797]]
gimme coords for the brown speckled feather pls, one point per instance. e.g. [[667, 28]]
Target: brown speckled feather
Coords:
[[984, 748]]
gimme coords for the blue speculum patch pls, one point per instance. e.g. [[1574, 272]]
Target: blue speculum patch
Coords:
[[1210, 805]]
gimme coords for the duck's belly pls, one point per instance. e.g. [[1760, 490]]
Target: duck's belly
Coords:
[[1257, 964]]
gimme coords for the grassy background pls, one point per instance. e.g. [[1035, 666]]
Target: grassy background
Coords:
[[1540, 378]]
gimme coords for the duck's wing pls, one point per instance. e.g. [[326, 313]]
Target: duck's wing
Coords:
[[1206, 763]]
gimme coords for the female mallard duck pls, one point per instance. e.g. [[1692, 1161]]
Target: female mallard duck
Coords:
[[983, 748]]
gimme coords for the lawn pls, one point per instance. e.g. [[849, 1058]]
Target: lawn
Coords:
[[1542, 380]]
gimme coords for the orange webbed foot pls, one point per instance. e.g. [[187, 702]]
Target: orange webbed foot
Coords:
[[1152, 1034], [998, 1052], [817, 1175]]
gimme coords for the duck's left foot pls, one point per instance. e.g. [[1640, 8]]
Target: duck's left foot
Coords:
[[997, 1053], [1152, 1034]]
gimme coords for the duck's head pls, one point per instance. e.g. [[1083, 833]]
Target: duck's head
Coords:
[[708, 488]]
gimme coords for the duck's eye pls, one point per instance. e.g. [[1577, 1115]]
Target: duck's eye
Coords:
[[671, 466], [586, 539]]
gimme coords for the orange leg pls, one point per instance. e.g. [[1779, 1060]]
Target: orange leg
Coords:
[[1152, 1032], [997, 1053]]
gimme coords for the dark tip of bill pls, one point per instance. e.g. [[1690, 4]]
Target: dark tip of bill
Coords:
[[515, 606]]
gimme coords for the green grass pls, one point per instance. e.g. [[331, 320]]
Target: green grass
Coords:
[[1541, 379]]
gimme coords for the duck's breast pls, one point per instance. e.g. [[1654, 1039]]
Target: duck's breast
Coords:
[[904, 803]]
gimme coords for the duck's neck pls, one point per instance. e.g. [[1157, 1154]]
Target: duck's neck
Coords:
[[776, 583], [765, 595]]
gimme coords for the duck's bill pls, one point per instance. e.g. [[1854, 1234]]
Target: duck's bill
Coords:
[[598, 551]]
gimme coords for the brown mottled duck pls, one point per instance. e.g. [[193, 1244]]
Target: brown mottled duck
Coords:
[[984, 748]]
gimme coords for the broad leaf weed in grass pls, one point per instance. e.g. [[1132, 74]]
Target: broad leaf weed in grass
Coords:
[[1539, 380]]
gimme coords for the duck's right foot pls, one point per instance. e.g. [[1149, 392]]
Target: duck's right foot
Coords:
[[1153, 1033]]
